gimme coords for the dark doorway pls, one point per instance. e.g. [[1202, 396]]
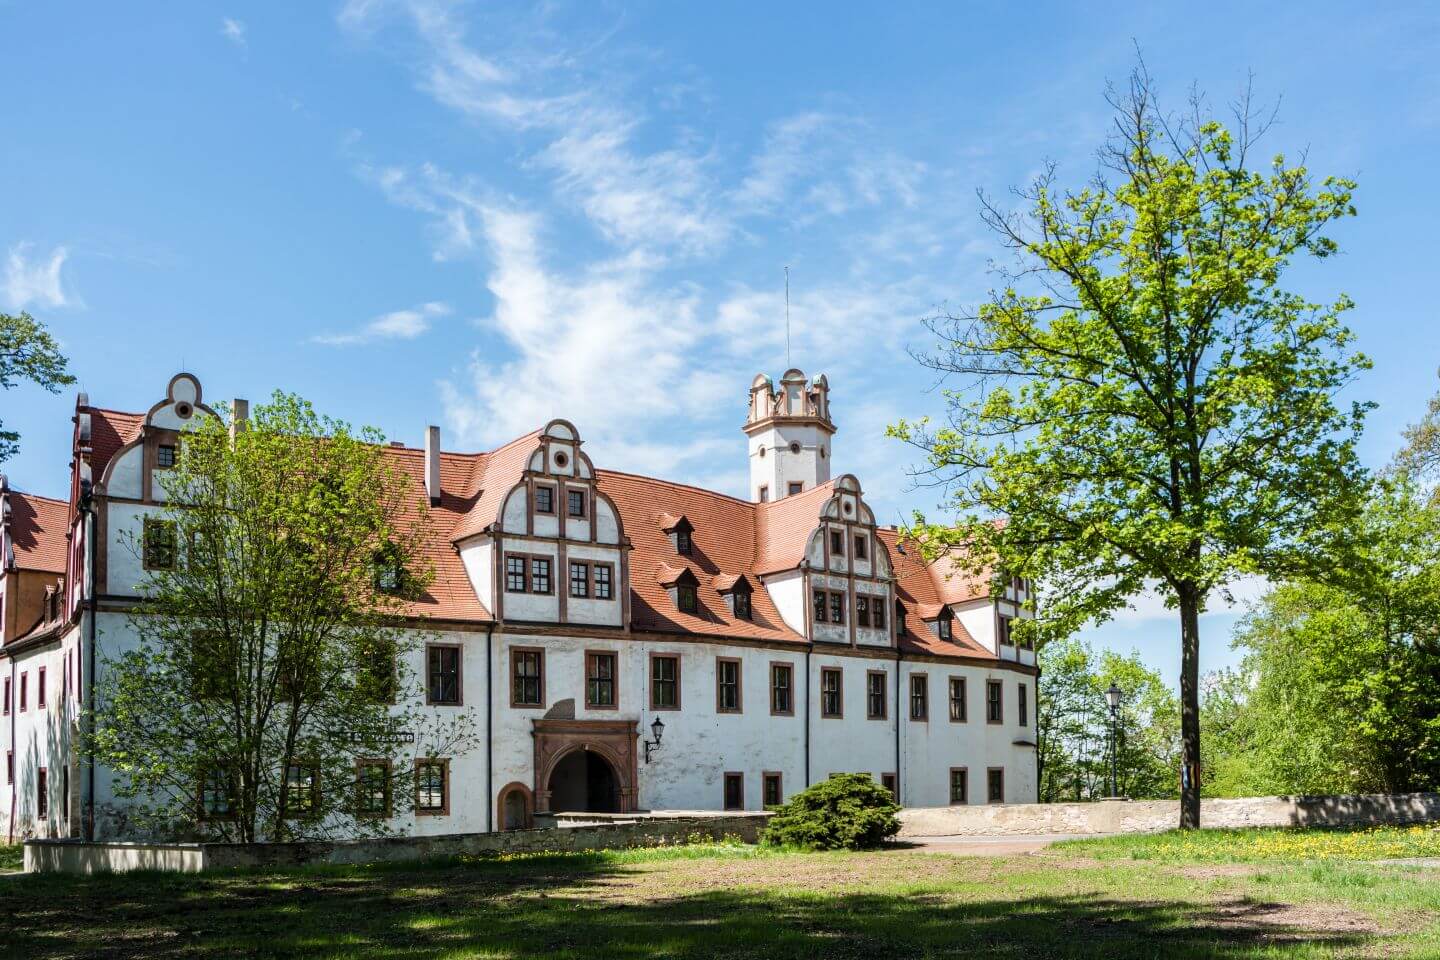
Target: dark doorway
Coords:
[[583, 782]]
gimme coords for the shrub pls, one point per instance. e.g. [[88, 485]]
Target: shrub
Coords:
[[849, 811]]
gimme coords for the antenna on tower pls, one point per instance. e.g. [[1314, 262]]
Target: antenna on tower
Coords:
[[787, 318]]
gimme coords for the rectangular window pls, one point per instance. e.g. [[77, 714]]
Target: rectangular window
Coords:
[[781, 689], [919, 696], [831, 702], [683, 543], [958, 712], [577, 503], [1023, 705], [544, 499], [1003, 627], [302, 789], [994, 706], [40, 688], [24, 691], [821, 605], [877, 615], [795, 488], [862, 611], [837, 608], [42, 794], [862, 546], [7, 697], [664, 682], [432, 788], [539, 574], [527, 677], [875, 688], [944, 625], [217, 796], [773, 792], [740, 604], [887, 780], [9, 766], [686, 598], [727, 685], [734, 791], [995, 785], [159, 547], [764, 496], [372, 788], [164, 456], [579, 579], [959, 785], [514, 574], [604, 581], [837, 543], [600, 680], [442, 669]]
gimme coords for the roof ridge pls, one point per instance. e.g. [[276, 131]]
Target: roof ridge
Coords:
[[58, 501], [675, 483]]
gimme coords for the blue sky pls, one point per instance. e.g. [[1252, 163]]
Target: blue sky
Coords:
[[484, 215]]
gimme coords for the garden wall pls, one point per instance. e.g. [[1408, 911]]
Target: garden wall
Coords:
[[1151, 816], [77, 856]]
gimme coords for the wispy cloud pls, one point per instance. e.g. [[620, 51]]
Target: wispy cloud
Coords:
[[396, 325], [35, 282], [234, 31]]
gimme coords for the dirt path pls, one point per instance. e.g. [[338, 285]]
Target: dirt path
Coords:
[[984, 846]]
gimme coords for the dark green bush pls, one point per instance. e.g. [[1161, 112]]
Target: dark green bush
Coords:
[[849, 811]]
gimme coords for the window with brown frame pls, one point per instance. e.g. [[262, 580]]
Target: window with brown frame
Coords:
[[604, 581], [24, 690], [302, 790], [527, 677], [994, 705], [432, 788], [888, 781], [515, 579], [600, 680], [837, 608], [862, 547], [772, 791], [42, 794], [876, 686], [958, 706], [995, 785], [1003, 629], [576, 502], [217, 795], [734, 791], [764, 495], [683, 543], [164, 456], [944, 623], [862, 611], [899, 617], [686, 598], [9, 766], [159, 545], [7, 698], [579, 579], [919, 696], [782, 677], [664, 682], [544, 499], [727, 685], [1022, 716], [40, 689], [540, 575], [442, 675], [822, 603], [877, 613], [959, 785], [372, 789], [837, 543], [740, 604], [795, 488], [832, 703]]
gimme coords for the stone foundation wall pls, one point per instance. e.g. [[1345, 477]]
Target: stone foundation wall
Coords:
[[75, 856], [1152, 816]]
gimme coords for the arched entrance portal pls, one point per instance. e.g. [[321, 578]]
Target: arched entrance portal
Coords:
[[583, 781]]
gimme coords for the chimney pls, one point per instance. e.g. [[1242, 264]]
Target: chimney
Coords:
[[239, 414], [432, 464]]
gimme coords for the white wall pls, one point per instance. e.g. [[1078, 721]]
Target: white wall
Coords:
[[42, 738]]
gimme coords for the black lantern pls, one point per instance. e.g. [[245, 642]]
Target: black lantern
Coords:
[[658, 729], [1114, 695]]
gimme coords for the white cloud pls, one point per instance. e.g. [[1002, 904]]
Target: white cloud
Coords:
[[1149, 605], [397, 325], [233, 30], [30, 282]]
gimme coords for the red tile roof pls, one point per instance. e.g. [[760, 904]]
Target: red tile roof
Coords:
[[783, 526], [918, 590], [37, 532], [109, 431], [496, 474]]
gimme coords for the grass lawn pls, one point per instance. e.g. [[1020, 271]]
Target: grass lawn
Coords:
[[1167, 896], [12, 856]]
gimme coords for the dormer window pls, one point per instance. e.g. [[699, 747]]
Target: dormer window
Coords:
[[577, 503], [544, 499], [686, 598], [165, 456], [682, 541], [682, 586], [389, 572], [736, 590], [944, 624], [679, 530], [740, 604], [899, 617]]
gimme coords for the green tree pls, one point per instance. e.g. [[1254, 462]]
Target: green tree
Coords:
[[27, 352], [269, 692], [1141, 400]]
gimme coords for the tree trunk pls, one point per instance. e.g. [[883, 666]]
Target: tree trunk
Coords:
[[1189, 709]]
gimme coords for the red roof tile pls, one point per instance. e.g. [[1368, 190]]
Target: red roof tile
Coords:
[[496, 476], [783, 526], [37, 532], [109, 431]]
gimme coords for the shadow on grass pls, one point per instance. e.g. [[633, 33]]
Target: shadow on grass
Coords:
[[581, 907]]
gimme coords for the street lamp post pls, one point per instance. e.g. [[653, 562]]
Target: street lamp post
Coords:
[[1113, 695]]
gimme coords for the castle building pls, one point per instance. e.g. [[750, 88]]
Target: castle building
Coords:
[[779, 639]]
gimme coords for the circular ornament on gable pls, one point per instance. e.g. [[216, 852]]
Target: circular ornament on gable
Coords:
[[794, 447], [849, 507], [184, 411], [561, 459]]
